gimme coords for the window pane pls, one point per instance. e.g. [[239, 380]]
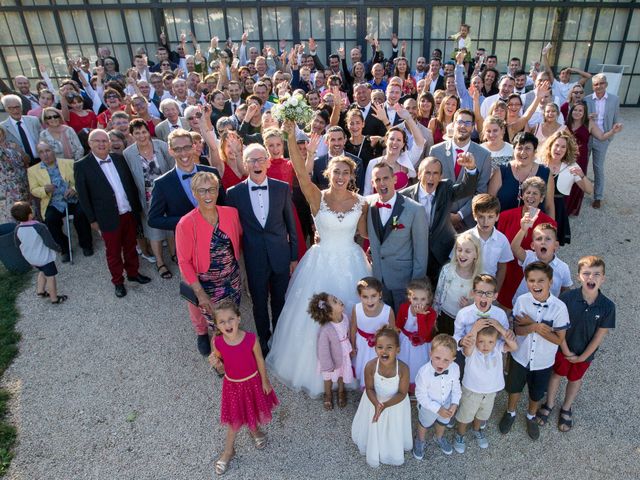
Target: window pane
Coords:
[[634, 27], [276, 23], [542, 23], [438, 23], [604, 23], [312, 23], [15, 35], [344, 23], [380, 23], [177, 21], [242, 20]]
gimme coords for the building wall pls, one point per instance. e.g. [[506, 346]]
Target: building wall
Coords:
[[586, 34]]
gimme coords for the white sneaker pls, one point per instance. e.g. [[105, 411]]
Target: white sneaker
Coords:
[[458, 443]]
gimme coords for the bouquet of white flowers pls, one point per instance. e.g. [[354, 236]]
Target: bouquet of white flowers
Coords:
[[293, 108]]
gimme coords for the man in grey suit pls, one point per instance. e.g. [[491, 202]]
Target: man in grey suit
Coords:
[[22, 130], [171, 111], [606, 107], [398, 237], [448, 151], [436, 195]]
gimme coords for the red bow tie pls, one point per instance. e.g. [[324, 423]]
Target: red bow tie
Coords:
[[382, 205]]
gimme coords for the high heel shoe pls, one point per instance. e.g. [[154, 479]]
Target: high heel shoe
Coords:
[[222, 465], [260, 441]]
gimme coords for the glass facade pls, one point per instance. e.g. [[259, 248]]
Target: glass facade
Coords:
[[35, 33]]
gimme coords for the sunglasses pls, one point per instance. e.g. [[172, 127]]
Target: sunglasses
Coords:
[[52, 117], [111, 97], [197, 115]]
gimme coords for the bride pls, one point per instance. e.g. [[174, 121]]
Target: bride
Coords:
[[334, 265]]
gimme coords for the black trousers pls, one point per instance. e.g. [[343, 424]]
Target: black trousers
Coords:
[[53, 219], [265, 283]]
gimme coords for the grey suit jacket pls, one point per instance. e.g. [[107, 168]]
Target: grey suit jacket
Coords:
[[31, 125], [165, 162], [445, 152], [398, 254], [163, 129], [611, 112], [441, 232]]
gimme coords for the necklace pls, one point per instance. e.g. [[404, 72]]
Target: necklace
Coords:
[[517, 177]]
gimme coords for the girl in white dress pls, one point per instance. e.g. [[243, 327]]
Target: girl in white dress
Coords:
[[456, 281], [416, 324], [333, 265], [366, 318], [381, 427]]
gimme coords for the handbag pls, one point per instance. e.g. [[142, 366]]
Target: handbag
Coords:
[[186, 291]]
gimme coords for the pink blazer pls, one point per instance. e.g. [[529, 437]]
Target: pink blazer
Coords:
[[193, 238], [329, 350]]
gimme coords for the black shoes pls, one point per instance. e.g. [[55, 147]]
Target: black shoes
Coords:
[[139, 278], [506, 422], [87, 252], [204, 346], [65, 257], [121, 291]]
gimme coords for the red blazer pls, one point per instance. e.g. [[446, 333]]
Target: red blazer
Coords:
[[193, 238], [426, 322]]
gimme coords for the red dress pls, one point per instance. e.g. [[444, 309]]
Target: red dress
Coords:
[[282, 169], [152, 127], [78, 122], [243, 400], [105, 117], [509, 224], [230, 179], [574, 200]]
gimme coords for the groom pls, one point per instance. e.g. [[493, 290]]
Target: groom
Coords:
[[269, 238], [398, 236]]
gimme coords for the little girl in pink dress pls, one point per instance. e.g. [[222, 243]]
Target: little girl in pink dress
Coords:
[[334, 347], [247, 395]]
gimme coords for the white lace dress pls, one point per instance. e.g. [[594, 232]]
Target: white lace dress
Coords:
[[334, 266]]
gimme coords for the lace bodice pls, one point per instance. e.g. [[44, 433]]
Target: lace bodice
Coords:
[[337, 229]]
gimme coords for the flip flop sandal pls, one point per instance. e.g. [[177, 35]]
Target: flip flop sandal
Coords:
[[60, 299], [342, 398], [328, 402], [166, 274], [543, 418], [43, 294], [565, 424]]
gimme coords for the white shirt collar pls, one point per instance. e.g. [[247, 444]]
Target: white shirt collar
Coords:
[[98, 159], [391, 201], [604, 97], [422, 193], [251, 183]]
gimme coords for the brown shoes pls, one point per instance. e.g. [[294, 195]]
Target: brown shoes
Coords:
[[596, 204]]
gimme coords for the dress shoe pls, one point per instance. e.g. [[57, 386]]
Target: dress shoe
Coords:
[[596, 204], [65, 258], [139, 278], [87, 252], [121, 291], [204, 345]]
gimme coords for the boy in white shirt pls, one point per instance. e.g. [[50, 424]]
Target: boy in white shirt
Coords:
[[438, 394], [541, 322], [496, 251], [483, 377], [544, 247]]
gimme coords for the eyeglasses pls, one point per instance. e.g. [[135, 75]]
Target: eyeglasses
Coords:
[[203, 191], [484, 294], [165, 64], [52, 117], [111, 97], [197, 115], [256, 160], [466, 123], [186, 148]]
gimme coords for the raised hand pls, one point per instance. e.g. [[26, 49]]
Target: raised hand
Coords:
[[467, 160], [526, 222], [245, 38], [547, 48], [617, 127], [214, 42], [394, 40], [402, 112], [341, 53], [380, 112], [312, 44], [460, 57], [577, 171]]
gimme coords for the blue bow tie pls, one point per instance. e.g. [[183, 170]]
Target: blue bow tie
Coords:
[[541, 305], [188, 175], [444, 372], [259, 187]]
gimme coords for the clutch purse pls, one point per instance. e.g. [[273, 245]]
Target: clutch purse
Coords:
[[187, 293]]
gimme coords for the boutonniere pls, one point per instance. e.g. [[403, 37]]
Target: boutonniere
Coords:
[[395, 225], [447, 148]]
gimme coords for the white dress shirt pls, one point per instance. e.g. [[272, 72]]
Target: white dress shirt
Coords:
[[484, 373], [32, 141], [259, 200], [110, 171], [470, 314], [601, 105], [496, 249], [561, 275], [434, 392], [391, 113], [533, 349], [385, 213]]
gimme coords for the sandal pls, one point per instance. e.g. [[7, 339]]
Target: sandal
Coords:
[[342, 398], [541, 417], [166, 274], [260, 441], [222, 465], [174, 259], [42, 294], [60, 299], [564, 423], [328, 401]]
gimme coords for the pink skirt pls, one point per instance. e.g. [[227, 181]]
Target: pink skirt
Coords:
[[245, 403]]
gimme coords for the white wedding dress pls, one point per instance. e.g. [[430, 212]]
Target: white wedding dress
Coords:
[[334, 265]]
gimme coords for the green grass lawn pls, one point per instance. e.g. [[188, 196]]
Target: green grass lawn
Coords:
[[10, 286]]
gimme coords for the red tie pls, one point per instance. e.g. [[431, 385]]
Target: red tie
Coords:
[[382, 205], [457, 167]]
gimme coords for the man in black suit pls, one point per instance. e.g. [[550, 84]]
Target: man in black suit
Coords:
[[436, 196], [362, 97], [109, 198], [235, 100], [436, 81], [269, 238], [336, 139], [172, 197]]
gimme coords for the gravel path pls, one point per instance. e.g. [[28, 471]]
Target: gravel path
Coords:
[[107, 388]]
